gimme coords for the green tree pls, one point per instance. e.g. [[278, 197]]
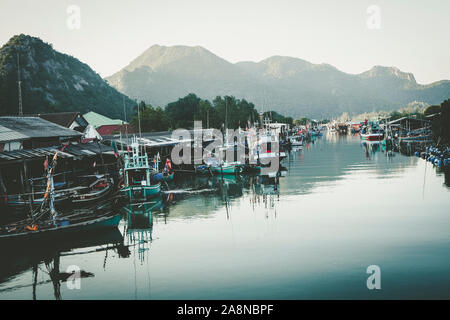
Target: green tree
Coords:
[[276, 117], [233, 112], [181, 113], [301, 122], [152, 119]]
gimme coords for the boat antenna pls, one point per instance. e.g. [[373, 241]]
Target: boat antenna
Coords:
[[19, 84]]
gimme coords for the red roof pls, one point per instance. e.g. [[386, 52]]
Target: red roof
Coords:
[[110, 129]]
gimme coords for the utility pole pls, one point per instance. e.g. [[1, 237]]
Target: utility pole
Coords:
[[19, 83], [226, 113]]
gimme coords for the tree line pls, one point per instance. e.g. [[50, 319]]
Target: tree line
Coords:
[[223, 112]]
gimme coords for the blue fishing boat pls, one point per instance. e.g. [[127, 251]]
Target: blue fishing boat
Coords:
[[137, 175], [165, 175]]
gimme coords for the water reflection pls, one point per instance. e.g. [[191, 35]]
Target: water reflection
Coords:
[[138, 229], [206, 235], [447, 177], [201, 196], [46, 261]]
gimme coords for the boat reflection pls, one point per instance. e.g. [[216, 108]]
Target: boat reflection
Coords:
[[370, 147], [139, 227], [48, 260]]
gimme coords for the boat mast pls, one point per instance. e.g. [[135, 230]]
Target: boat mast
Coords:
[[226, 113], [19, 83]]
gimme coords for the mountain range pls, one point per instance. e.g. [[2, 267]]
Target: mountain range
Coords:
[[288, 85], [52, 81]]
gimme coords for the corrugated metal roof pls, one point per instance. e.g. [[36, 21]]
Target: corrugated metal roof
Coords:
[[83, 149], [158, 139], [32, 154], [71, 151], [21, 128], [7, 135]]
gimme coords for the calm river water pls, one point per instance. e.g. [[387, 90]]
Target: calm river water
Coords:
[[340, 208]]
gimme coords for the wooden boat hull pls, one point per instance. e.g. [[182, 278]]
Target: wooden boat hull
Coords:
[[372, 137], [24, 204], [86, 199], [61, 232]]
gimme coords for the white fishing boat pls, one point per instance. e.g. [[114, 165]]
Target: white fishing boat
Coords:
[[296, 141]]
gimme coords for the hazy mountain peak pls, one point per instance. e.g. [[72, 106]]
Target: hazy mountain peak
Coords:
[[158, 56], [381, 71], [283, 66]]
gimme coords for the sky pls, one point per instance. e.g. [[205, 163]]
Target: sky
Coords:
[[352, 35]]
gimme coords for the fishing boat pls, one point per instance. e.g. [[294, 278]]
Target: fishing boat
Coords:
[[29, 232], [214, 165], [48, 225], [265, 153], [164, 175], [98, 187], [296, 141], [342, 128], [137, 174], [371, 133], [22, 201], [372, 136]]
